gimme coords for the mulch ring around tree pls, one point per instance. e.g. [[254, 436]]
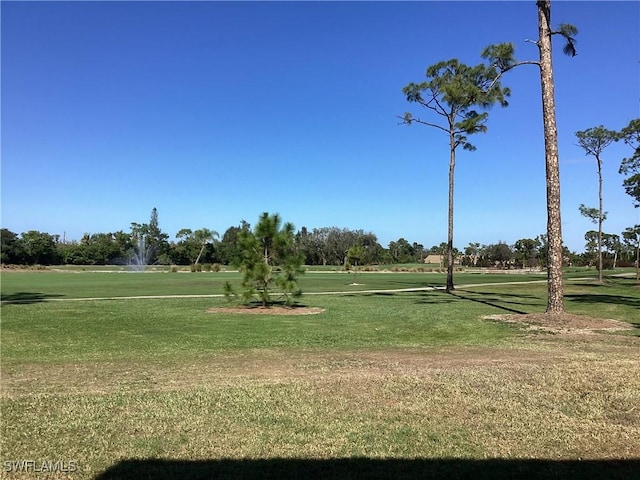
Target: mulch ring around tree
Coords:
[[269, 310], [563, 323]]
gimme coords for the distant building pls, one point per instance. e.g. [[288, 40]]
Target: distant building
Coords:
[[439, 259]]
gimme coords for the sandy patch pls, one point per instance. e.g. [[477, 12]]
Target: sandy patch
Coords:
[[564, 323], [273, 310]]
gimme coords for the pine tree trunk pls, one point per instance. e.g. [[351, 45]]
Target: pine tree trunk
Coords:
[[555, 300], [638, 262], [452, 164], [599, 219]]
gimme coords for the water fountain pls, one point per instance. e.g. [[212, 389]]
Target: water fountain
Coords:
[[141, 256]]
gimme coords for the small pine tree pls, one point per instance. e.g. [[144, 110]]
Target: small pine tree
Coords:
[[269, 263]]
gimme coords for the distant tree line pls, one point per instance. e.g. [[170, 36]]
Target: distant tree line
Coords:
[[318, 246], [531, 253]]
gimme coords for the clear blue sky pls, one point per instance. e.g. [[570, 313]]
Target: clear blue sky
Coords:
[[214, 112]]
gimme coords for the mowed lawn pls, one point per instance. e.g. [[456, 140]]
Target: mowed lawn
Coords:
[[381, 384]]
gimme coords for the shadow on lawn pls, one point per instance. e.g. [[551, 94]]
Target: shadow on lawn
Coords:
[[503, 301], [27, 297], [367, 468], [599, 298]]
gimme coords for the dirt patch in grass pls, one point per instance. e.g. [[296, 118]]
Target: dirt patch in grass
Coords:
[[558, 397], [260, 365], [271, 310], [565, 323], [461, 402]]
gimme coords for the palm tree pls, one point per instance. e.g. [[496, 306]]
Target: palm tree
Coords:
[[203, 237]]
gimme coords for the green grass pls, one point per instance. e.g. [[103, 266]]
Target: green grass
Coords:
[[42, 285], [99, 330], [616, 298], [379, 385], [106, 330], [50, 285]]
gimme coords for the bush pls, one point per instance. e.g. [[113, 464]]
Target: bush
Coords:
[[206, 267], [216, 267]]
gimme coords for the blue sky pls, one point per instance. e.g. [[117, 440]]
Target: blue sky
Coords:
[[214, 112]]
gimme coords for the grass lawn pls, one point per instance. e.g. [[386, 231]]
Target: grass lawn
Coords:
[[28, 286], [381, 384]]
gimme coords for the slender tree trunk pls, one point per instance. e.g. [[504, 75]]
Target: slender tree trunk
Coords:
[[555, 298], [599, 219], [452, 165], [638, 261], [200, 253]]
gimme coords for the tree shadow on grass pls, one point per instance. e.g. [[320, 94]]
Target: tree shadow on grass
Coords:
[[513, 303], [496, 301], [369, 469], [27, 297], [502, 301], [439, 297], [603, 298]]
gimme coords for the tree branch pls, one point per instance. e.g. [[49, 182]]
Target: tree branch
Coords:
[[422, 122], [502, 72], [437, 108]]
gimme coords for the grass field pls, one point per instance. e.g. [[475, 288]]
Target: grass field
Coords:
[[384, 383]]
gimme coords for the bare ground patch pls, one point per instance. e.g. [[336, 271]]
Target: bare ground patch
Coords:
[[565, 323], [271, 310], [512, 402], [261, 365], [274, 366], [542, 396]]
